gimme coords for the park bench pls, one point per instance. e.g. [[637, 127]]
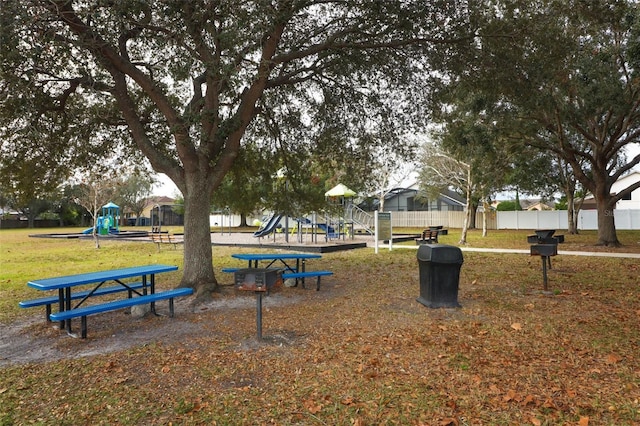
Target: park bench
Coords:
[[51, 300], [159, 239], [307, 274], [429, 236], [85, 311]]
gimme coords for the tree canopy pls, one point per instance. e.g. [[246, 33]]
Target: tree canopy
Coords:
[[563, 78], [187, 83]]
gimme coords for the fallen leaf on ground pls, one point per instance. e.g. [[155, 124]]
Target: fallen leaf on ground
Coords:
[[613, 359], [509, 396], [312, 406]]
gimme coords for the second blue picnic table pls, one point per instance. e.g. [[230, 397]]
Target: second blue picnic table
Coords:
[[300, 259], [254, 258]]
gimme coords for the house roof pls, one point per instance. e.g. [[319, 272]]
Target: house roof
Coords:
[[627, 180], [453, 197], [160, 200], [448, 196], [621, 184], [534, 204]]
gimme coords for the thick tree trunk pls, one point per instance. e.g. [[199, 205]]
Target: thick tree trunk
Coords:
[[572, 214], [31, 220], [607, 235], [198, 266], [472, 217]]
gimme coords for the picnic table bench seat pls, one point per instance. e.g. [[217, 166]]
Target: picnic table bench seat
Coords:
[[160, 238], [429, 236], [51, 300], [307, 274], [84, 311]]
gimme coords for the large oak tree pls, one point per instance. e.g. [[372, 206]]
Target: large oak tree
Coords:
[[189, 80], [564, 78]]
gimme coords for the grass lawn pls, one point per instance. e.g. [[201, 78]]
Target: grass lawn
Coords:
[[361, 351]]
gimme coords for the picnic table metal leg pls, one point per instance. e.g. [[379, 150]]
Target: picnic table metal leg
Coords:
[[83, 327], [304, 267], [171, 310], [67, 303], [60, 306], [153, 290]]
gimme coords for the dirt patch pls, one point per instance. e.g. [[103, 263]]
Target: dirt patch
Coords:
[[34, 340]]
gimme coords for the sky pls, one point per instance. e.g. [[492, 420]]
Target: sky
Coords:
[[167, 188]]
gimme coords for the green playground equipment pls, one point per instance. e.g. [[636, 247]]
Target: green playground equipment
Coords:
[[108, 222]]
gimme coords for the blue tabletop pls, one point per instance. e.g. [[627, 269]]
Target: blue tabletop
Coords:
[[95, 277], [275, 256]]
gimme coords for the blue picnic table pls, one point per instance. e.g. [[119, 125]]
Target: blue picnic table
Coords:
[[297, 271], [65, 285], [272, 258]]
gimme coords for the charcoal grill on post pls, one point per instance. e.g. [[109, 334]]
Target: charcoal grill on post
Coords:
[[545, 245], [260, 281]]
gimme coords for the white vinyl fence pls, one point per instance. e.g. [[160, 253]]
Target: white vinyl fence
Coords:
[[554, 219], [557, 219], [448, 219]]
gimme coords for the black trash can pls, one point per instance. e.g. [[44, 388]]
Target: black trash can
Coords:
[[439, 275]]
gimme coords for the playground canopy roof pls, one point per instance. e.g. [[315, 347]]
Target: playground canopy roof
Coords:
[[110, 205], [340, 191]]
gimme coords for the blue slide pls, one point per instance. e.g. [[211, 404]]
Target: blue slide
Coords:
[[329, 230], [269, 227]]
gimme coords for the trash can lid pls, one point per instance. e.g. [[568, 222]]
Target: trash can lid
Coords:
[[440, 253]]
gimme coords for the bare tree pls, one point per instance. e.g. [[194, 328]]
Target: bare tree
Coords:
[[98, 189], [134, 193], [389, 171], [442, 171]]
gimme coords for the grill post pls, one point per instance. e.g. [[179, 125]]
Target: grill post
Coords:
[[259, 314], [545, 245], [544, 271]]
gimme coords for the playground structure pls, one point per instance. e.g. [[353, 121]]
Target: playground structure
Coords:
[[108, 222], [333, 227]]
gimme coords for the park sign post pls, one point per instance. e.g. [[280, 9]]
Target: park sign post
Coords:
[[383, 229]]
